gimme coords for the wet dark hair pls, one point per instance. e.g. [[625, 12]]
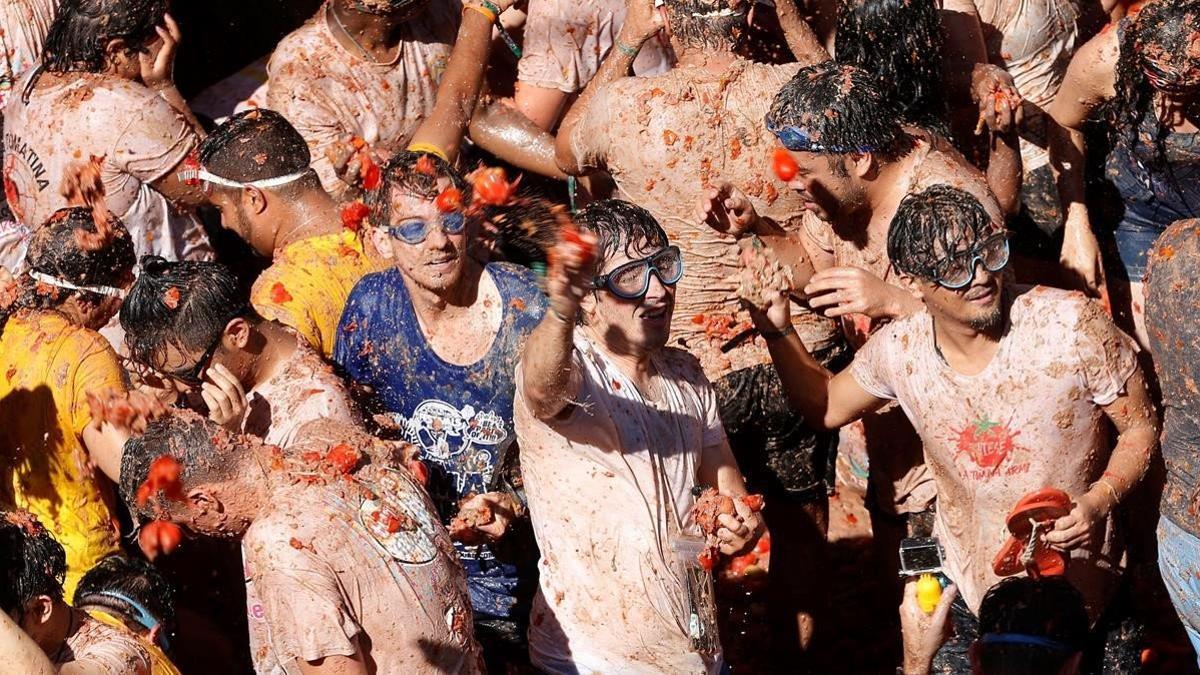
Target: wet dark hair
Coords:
[[620, 226], [256, 145], [402, 173], [1164, 25], [135, 579], [1044, 609], [841, 106], [83, 28], [710, 24], [206, 452], [209, 297], [55, 250], [898, 41], [930, 225], [32, 563]]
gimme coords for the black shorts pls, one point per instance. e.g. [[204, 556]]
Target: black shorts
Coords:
[[776, 451]]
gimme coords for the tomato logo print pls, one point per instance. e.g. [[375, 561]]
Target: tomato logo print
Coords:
[[987, 443]]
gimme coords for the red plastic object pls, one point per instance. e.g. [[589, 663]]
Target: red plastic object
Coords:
[[1042, 507]]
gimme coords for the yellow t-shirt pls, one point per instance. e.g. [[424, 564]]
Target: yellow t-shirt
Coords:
[[160, 664], [308, 284], [47, 365]]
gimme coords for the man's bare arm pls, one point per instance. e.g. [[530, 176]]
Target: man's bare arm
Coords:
[[1089, 82], [21, 653], [461, 83], [642, 21], [336, 665], [800, 37], [514, 138], [549, 382], [1137, 425]]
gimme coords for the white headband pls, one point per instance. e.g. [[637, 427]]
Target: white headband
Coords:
[[204, 175], [63, 283]]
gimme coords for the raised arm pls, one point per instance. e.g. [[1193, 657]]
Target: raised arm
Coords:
[[1088, 83], [800, 37], [459, 90], [549, 381], [642, 21]]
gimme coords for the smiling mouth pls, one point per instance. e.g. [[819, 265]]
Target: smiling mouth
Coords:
[[656, 312]]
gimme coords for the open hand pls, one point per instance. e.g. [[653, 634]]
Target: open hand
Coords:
[[224, 396], [764, 288], [642, 21], [838, 291], [726, 209], [483, 518], [1081, 255], [158, 65]]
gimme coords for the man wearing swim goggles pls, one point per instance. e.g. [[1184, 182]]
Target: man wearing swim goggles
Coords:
[[436, 337], [1010, 390]]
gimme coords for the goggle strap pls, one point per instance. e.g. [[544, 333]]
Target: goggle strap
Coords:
[[63, 283]]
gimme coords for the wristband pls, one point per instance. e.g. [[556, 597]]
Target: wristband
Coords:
[[631, 52], [1112, 490], [491, 16], [771, 335], [429, 149], [491, 7]]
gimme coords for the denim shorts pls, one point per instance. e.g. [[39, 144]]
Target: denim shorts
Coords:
[[1179, 562]]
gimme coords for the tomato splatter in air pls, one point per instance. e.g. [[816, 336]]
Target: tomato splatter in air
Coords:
[[492, 186], [353, 215], [449, 200], [159, 537]]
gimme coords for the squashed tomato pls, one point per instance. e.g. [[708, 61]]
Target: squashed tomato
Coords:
[[449, 200], [784, 166]]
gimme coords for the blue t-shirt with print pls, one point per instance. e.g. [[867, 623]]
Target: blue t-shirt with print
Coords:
[[459, 416]]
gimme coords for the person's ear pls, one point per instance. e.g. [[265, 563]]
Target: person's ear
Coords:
[[254, 200], [154, 632], [38, 610], [203, 501], [864, 166], [382, 241], [116, 48], [237, 332]]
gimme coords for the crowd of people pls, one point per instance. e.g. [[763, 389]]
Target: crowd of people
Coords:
[[540, 337]]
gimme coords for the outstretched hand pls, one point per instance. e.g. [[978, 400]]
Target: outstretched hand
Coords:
[[726, 209], [764, 288], [158, 65], [923, 634], [642, 20]]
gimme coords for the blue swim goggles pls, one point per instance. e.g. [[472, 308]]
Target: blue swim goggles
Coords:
[[415, 230], [798, 140]]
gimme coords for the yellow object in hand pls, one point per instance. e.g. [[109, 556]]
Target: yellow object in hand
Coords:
[[929, 592]]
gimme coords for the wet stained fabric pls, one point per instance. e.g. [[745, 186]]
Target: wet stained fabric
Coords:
[[329, 93], [565, 42], [609, 484], [160, 664], [139, 137], [23, 28], [1030, 419], [1171, 300], [459, 417], [364, 559], [307, 285], [47, 366], [97, 647]]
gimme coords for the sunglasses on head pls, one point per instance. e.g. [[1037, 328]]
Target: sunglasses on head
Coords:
[[632, 279], [416, 230], [958, 270]]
